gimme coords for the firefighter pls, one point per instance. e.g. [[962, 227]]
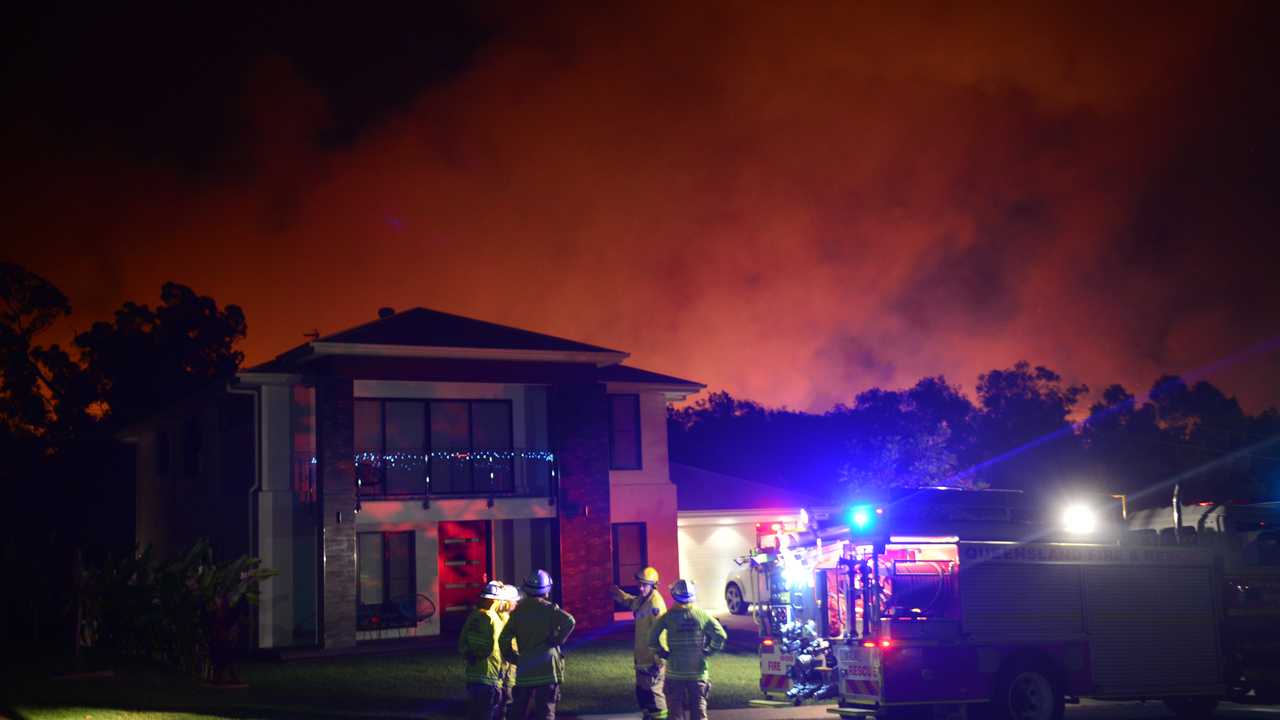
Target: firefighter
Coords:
[[692, 636], [510, 597], [478, 642], [650, 670], [538, 627]]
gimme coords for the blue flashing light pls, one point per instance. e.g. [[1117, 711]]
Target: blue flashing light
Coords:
[[861, 516]]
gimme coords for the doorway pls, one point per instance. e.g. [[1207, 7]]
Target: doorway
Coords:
[[463, 567]]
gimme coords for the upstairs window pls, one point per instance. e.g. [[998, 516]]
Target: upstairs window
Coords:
[[461, 432], [401, 444], [624, 432]]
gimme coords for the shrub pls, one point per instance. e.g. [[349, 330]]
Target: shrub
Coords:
[[187, 613]]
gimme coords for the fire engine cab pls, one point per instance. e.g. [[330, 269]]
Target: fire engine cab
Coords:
[[941, 600]]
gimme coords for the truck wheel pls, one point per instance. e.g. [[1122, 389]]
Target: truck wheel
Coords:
[[1027, 692], [734, 600], [1194, 707]]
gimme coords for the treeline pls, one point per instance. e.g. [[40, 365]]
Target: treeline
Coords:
[[1024, 428], [67, 479]]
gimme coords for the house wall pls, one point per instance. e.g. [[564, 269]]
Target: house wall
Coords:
[[337, 480], [280, 612], [206, 497], [276, 520], [647, 495], [580, 431], [569, 417]]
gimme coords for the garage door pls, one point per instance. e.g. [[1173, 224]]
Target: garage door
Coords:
[[706, 557]]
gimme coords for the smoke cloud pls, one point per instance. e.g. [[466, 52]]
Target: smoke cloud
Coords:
[[793, 202]]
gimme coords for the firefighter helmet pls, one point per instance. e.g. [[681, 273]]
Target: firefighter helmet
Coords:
[[493, 590], [683, 591], [539, 583], [648, 575], [511, 593]]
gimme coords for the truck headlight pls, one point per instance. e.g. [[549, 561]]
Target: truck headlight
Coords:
[[1079, 519]]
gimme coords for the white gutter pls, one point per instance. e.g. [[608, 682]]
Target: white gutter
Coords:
[[594, 357]]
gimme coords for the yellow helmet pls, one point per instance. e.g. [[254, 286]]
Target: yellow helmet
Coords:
[[648, 575]]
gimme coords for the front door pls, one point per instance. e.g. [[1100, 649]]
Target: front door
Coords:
[[464, 566]]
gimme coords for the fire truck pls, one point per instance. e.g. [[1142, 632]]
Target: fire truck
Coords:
[[939, 602], [1245, 541]]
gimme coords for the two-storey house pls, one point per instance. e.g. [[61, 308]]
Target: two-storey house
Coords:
[[389, 470]]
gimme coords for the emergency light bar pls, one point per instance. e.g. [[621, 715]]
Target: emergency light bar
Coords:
[[862, 517]]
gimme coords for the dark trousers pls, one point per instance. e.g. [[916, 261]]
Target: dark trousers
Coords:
[[650, 695], [484, 702], [687, 699], [534, 703]]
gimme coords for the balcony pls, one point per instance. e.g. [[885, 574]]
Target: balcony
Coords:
[[456, 473]]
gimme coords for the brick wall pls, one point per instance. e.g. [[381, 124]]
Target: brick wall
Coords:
[[335, 440], [580, 432]]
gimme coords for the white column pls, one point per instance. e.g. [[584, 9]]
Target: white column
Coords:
[[275, 518]]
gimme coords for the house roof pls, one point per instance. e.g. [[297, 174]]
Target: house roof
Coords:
[[420, 332], [420, 327], [627, 374], [699, 489]]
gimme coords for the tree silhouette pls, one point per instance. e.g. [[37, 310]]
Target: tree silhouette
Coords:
[[908, 438], [145, 359], [1025, 439]]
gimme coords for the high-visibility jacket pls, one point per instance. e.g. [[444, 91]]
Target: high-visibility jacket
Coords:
[[647, 610], [478, 642], [692, 635], [508, 668], [538, 628]]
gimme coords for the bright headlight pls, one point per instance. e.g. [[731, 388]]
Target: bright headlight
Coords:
[[1079, 520]]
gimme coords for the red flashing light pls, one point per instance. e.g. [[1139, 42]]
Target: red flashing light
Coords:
[[885, 643], [868, 643], [767, 642], [1204, 503]]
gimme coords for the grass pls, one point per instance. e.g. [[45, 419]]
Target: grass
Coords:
[[423, 684]]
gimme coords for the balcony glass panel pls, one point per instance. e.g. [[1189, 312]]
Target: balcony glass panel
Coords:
[[368, 446], [406, 435]]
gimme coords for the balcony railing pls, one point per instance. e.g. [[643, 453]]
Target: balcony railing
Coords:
[[456, 473]]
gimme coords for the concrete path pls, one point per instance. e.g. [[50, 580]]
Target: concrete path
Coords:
[[804, 712]]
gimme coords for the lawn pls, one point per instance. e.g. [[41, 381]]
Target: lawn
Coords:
[[413, 684]]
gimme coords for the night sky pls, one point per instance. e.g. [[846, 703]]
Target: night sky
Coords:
[[791, 201]]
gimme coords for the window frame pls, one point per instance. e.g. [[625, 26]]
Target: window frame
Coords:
[[385, 605], [639, 435], [629, 584], [427, 447]]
